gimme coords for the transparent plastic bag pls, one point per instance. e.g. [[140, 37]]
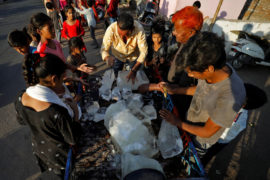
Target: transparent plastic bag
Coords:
[[107, 81], [128, 132], [169, 141], [122, 81]]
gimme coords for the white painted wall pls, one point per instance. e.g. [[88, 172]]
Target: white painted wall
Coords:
[[224, 28]]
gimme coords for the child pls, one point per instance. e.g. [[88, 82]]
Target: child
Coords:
[[53, 123], [72, 27], [112, 10], [76, 57], [90, 17], [20, 41], [53, 14], [155, 64], [43, 30]]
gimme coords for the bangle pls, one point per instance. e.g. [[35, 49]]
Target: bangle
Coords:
[[133, 71]]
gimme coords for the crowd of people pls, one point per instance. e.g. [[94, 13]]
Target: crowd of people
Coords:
[[206, 90]]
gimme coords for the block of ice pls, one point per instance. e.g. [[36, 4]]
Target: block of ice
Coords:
[[93, 108], [139, 114], [107, 81], [112, 110], [108, 78], [128, 132], [150, 111], [126, 93], [116, 94], [135, 101], [169, 141], [122, 81]]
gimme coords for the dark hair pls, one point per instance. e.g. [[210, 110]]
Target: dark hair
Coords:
[[197, 4], [202, 50], [36, 67], [125, 21], [158, 26], [49, 5], [75, 42], [67, 7], [38, 21], [18, 38], [90, 3], [256, 97]]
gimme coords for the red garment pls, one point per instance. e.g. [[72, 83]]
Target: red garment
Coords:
[[100, 4], [112, 9], [95, 13], [72, 30]]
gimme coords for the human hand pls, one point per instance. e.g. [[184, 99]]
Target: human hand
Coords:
[[85, 68], [170, 117], [131, 75], [110, 60], [170, 88]]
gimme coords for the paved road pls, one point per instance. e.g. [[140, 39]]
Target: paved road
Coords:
[[245, 158], [17, 161]]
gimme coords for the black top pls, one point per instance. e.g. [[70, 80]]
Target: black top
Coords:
[[53, 131], [160, 53]]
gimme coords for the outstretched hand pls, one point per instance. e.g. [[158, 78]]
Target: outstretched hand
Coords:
[[85, 68], [170, 117], [131, 75]]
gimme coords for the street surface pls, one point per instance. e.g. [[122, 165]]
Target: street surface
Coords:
[[247, 157]]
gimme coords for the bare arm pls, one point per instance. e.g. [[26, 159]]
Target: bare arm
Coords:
[[206, 131], [175, 89]]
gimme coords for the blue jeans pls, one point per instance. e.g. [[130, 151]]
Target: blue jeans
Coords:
[[118, 65]]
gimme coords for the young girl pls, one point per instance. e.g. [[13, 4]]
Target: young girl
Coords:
[[72, 27], [155, 65], [90, 17], [53, 122], [76, 57], [43, 30]]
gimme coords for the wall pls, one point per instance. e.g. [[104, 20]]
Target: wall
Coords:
[[230, 9], [224, 27]]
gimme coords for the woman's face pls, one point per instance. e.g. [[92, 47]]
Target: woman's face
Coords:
[[181, 32], [70, 14], [47, 31], [156, 38]]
